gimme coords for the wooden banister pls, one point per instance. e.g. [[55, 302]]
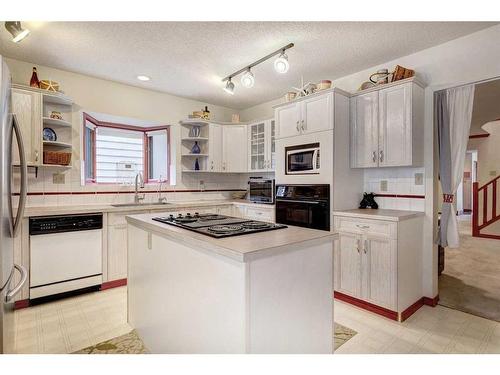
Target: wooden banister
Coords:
[[478, 198]]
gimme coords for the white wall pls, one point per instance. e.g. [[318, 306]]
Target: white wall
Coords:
[[120, 100], [468, 59], [488, 154]]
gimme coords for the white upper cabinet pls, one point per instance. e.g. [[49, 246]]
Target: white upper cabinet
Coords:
[[395, 130], [27, 106], [364, 130], [387, 126], [215, 148], [306, 115], [261, 146], [234, 149]]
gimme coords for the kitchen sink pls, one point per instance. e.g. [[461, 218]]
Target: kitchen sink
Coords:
[[140, 204]]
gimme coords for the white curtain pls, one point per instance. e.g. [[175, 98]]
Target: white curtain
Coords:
[[454, 128]]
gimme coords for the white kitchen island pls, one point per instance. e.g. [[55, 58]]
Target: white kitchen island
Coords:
[[268, 292]]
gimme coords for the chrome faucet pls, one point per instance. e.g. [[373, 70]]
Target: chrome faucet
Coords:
[[160, 198], [139, 183]]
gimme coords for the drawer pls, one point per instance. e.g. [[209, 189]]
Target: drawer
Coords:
[[119, 218], [259, 214], [379, 228]]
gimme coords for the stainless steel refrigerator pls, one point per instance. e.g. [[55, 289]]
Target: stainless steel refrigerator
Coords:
[[12, 276]]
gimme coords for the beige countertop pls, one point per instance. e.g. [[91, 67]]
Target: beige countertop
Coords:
[[171, 206], [390, 215], [240, 248]]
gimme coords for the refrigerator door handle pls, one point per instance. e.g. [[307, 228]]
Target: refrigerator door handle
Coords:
[[24, 179], [24, 276]]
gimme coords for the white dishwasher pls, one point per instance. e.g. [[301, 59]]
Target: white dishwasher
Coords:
[[65, 253]]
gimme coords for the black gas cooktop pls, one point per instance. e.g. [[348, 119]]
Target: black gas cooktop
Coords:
[[218, 226]]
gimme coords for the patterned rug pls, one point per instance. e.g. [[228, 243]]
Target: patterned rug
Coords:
[[131, 343]]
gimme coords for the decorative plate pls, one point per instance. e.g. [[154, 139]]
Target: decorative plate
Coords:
[[49, 135]]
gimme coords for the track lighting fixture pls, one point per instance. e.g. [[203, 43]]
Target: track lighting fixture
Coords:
[[16, 30], [248, 79], [229, 87], [281, 65]]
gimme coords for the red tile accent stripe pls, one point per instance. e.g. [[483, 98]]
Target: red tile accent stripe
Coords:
[[35, 193], [113, 284], [414, 196]]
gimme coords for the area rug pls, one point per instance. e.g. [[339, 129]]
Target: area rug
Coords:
[[341, 335], [131, 343]]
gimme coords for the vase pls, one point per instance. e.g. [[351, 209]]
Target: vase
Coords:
[[195, 132], [196, 165], [196, 148]]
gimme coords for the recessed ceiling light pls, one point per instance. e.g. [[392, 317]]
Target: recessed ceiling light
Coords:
[[16, 30], [143, 78]]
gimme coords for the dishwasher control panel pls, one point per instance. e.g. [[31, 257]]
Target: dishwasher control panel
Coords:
[[65, 223]]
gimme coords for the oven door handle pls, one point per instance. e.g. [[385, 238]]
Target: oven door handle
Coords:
[[297, 201], [315, 159]]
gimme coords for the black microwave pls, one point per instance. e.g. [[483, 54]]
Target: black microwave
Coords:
[[261, 190]]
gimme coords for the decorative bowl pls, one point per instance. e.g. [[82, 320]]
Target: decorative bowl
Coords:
[[47, 84], [289, 96], [324, 84]]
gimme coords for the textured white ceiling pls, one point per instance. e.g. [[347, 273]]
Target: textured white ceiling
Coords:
[[189, 58]]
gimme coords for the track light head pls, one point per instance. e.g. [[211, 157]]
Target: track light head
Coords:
[[229, 87], [248, 79], [16, 30], [281, 64]]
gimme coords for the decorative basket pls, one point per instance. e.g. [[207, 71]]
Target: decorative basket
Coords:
[[47, 84], [56, 157]]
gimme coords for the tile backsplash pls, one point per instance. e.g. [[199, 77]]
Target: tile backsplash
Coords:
[[397, 188]]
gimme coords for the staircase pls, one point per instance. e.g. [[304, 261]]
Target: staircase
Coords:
[[486, 209]]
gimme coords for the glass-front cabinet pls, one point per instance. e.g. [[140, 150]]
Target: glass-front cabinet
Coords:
[[261, 136]]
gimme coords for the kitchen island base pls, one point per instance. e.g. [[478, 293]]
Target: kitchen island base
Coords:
[[190, 299]]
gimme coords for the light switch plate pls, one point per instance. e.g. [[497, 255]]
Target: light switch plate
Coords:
[[383, 185], [58, 178], [419, 178]]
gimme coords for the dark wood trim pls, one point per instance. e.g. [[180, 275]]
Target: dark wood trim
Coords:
[[113, 284], [490, 236], [412, 309], [21, 304], [431, 301], [413, 196], [467, 210], [366, 305], [474, 136]]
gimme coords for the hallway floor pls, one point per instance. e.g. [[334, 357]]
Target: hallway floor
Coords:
[[470, 281]]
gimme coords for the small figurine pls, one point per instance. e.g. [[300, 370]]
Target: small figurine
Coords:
[[368, 201]]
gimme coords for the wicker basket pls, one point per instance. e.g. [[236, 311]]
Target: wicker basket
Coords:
[[56, 157]]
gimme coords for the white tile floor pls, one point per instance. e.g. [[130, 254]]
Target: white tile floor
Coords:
[[75, 323]]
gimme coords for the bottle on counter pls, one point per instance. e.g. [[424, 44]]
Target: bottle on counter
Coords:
[[34, 81]]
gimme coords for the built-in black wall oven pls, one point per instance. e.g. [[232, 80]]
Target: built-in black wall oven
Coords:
[[303, 205], [261, 190]]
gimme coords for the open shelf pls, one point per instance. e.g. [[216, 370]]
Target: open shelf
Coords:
[[53, 121], [56, 166], [56, 98], [195, 122], [194, 139], [57, 144]]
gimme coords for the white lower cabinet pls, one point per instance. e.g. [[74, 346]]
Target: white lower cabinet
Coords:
[[379, 262], [254, 212]]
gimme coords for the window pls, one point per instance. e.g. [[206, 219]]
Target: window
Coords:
[[115, 153]]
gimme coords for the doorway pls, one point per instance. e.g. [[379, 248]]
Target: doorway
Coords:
[[470, 280]]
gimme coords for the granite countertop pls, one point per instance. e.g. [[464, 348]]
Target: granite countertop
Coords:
[[239, 248], [390, 215], [88, 208]]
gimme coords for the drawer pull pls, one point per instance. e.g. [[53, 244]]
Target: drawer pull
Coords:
[[363, 226]]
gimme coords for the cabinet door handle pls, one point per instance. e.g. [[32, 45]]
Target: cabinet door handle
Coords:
[[374, 157], [303, 126], [298, 129], [36, 155], [381, 155], [366, 246], [361, 226], [358, 245]]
